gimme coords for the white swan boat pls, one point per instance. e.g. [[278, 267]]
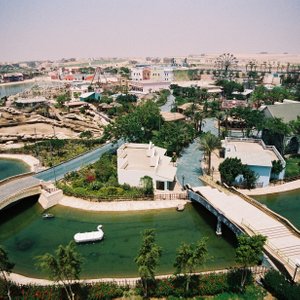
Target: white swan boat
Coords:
[[92, 236]]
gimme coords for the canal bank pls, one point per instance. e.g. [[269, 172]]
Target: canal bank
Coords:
[[25, 235]]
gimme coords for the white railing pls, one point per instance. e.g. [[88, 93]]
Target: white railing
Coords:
[[285, 259]]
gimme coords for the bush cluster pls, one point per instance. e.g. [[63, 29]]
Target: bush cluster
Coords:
[[99, 181], [277, 284], [200, 285], [96, 291]]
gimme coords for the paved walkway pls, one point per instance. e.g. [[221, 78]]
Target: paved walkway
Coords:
[[119, 205], [273, 189], [58, 172], [189, 164], [284, 242], [17, 185]]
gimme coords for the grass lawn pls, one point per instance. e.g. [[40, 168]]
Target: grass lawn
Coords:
[[292, 166]]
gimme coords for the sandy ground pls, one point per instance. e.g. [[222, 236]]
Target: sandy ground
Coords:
[[31, 161], [39, 129], [119, 205]]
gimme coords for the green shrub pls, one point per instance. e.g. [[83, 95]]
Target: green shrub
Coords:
[[277, 284], [200, 285], [105, 291]]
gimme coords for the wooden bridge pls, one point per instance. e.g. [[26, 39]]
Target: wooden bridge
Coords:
[[243, 214]]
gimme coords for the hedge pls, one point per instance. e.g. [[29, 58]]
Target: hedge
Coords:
[[278, 285]]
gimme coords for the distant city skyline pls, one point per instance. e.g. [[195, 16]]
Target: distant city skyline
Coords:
[[39, 30]]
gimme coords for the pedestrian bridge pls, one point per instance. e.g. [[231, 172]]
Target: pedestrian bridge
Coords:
[[243, 214], [21, 186]]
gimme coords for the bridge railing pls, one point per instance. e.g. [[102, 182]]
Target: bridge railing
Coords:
[[171, 196], [24, 192], [19, 176], [287, 260], [266, 210]]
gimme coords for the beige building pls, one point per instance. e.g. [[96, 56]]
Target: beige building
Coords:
[[138, 160]]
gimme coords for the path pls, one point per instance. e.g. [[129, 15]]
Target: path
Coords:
[[273, 189], [58, 172], [188, 165], [283, 241], [168, 105], [119, 205]]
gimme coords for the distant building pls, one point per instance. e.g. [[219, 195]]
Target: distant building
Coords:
[[147, 86], [172, 116], [256, 155], [287, 111], [90, 97], [138, 160], [13, 77], [30, 102], [152, 73], [228, 104]]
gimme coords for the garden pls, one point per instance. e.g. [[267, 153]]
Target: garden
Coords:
[[99, 181], [292, 166], [55, 151]]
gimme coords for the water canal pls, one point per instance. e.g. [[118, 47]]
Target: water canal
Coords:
[[24, 234], [285, 204], [12, 167]]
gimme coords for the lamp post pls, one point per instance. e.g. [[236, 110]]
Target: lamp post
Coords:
[[54, 135], [296, 270]]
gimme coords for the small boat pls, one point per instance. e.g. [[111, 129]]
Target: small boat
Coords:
[[180, 207], [48, 216], [92, 236]]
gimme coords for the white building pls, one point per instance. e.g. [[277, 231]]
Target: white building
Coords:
[[138, 160], [147, 86], [153, 73], [256, 155]]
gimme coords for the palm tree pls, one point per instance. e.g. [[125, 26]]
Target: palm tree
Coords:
[[208, 143], [189, 257], [5, 268], [147, 259], [220, 117], [63, 267]]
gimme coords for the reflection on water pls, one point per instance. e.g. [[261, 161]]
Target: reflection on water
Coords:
[[286, 204], [12, 89], [24, 234], [12, 167]]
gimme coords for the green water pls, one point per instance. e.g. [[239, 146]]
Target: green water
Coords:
[[11, 167], [24, 234], [286, 204]]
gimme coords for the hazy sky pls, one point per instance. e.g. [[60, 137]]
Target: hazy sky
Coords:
[[41, 29]]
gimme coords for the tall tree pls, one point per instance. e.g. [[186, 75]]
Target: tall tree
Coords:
[[229, 169], [249, 252], [220, 115], [275, 132], [63, 267], [5, 268], [190, 257], [208, 143], [148, 258]]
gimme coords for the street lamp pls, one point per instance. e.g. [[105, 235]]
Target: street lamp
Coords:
[[54, 135], [296, 269]]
